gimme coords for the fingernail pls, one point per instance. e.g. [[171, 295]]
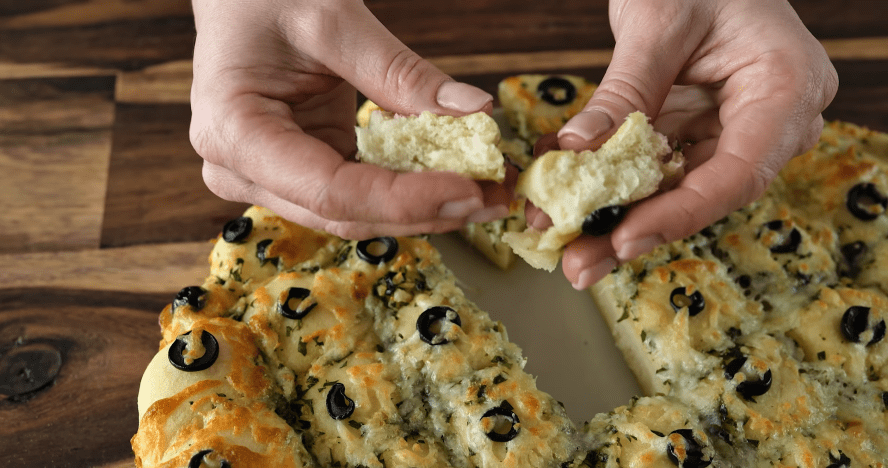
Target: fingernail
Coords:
[[462, 97], [539, 220], [460, 208], [591, 275], [584, 128], [488, 214], [632, 249]]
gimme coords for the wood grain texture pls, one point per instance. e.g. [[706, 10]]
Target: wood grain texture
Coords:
[[16, 15], [122, 45], [88, 413], [493, 26], [863, 94], [55, 137], [99, 309], [166, 83], [828, 19], [144, 268], [155, 188], [171, 82]]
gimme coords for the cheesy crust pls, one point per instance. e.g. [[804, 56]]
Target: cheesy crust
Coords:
[[776, 341]]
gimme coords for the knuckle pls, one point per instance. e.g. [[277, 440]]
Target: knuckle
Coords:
[[759, 179], [404, 72], [198, 135], [621, 91], [215, 183], [325, 205], [812, 136], [831, 85]]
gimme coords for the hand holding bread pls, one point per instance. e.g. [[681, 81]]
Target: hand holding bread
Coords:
[[743, 82], [273, 99]]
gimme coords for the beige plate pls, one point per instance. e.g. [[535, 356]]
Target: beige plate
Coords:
[[567, 344]]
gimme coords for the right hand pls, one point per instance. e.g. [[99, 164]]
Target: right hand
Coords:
[[273, 103]]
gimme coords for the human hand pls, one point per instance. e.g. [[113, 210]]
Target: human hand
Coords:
[[273, 103], [743, 80]]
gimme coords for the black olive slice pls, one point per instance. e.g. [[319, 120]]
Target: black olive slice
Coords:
[[863, 199], [685, 450], [339, 405], [680, 299], [502, 412], [198, 457], [368, 249], [262, 250], [211, 352], [294, 306], [856, 321], [790, 242], [842, 461], [885, 400], [853, 253], [557, 91], [429, 317], [191, 295], [237, 230], [603, 220], [754, 385]]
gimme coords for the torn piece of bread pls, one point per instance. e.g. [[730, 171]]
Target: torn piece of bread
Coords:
[[467, 144], [569, 186]]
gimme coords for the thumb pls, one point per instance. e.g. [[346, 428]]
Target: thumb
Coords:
[[397, 79], [639, 77]]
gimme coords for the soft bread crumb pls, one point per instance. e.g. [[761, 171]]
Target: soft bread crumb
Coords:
[[467, 145], [568, 185]]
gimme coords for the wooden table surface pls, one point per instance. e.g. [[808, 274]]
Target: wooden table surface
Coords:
[[104, 213]]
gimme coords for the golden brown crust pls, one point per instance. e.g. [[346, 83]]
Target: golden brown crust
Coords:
[[329, 315], [778, 278], [529, 114]]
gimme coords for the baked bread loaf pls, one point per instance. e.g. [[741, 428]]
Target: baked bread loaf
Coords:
[[576, 188], [539, 104], [759, 342], [467, 145], [303, 347], [770, 324]]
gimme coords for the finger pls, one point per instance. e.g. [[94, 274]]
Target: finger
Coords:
[[388, 72], [242, 190], [750, 152], [545, 143], [262, 142], [689, 114], [639, 77], [536, 217], [587, 259]]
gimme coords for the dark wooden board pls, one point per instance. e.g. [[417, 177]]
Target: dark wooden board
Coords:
[[54, 139], [863, 94], [86, 415], [44, 32], [155, 188], [94, 155]]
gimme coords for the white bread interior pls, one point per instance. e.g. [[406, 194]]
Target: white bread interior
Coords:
[[569, 185], [467, 144]]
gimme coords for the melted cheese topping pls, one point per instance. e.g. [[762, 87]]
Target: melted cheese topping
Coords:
[[777, 277]]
